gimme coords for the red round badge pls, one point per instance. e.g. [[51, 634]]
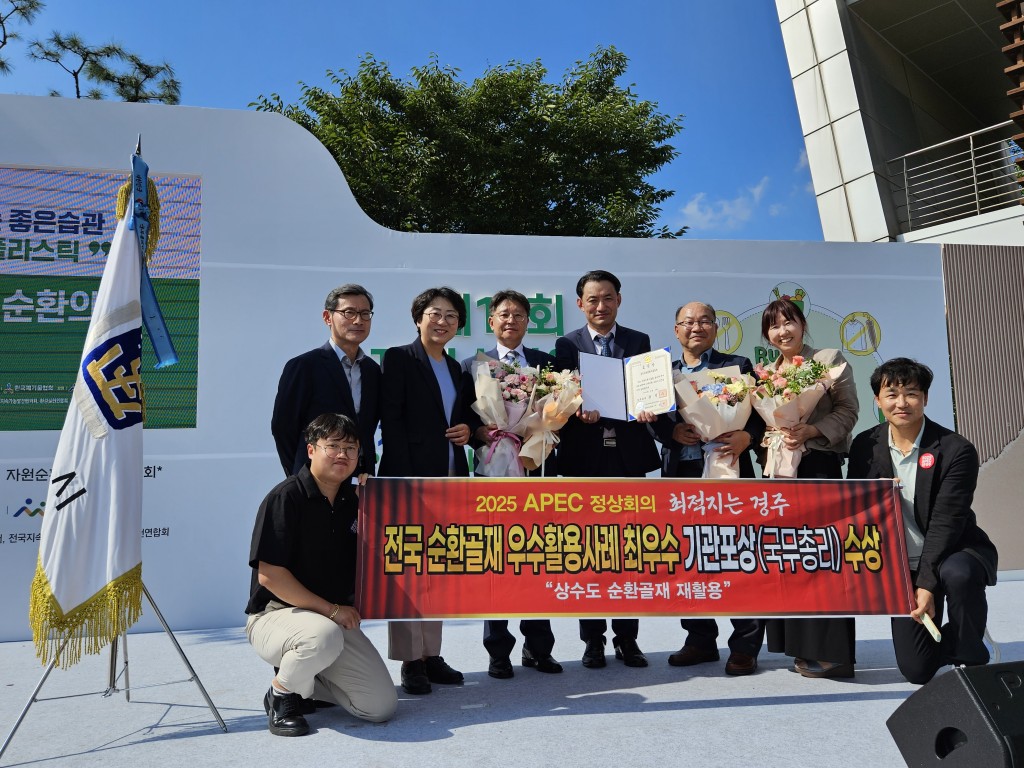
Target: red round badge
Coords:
[[927, 461]]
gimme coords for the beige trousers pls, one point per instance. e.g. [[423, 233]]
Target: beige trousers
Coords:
[[411, 640], [314, 654]]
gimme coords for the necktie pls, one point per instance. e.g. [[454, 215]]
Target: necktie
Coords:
[[604, 345], [511, 357]]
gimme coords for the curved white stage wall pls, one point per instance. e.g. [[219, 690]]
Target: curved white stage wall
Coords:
[[280, 228]]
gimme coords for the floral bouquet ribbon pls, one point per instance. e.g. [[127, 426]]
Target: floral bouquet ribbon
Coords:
[[502, 398], [556, 397], [714, 402], [785, 398]]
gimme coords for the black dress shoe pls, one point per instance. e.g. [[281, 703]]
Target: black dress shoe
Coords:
[[628, 652], [688, 655], [414, 678], [544, 663], [439, 672], [741, 664], [284, 716], [593, 655], [500, 668]]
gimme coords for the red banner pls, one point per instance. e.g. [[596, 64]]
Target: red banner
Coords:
[[481, 547]]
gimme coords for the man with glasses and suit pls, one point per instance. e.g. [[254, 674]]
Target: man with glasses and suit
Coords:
[[509, 319], [337, 377], [682, 453]]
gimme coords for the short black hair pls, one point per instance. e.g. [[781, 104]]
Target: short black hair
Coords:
[[509, 295], [425, 299], [328, 425], [348, 289], [597, 276], [783, 307], [901, 372]]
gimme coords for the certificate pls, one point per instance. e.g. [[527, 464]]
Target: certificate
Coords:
[[620, 389], [649, 384]]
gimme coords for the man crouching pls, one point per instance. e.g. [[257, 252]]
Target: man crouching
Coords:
[[303, 560]]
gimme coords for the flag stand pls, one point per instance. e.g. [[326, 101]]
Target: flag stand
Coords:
[[114, 675]]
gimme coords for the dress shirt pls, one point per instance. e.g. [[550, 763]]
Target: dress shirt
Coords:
[[906, 470], [352, 372], [693, 452]]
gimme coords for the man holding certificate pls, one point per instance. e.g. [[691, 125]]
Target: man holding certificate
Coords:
[[592, 446], [682, 453]]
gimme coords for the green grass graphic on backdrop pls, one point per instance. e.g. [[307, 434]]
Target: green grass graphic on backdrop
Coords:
[[42, 354]]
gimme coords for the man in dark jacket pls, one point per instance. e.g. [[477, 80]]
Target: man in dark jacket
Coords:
[[682, 454], [951, 558]]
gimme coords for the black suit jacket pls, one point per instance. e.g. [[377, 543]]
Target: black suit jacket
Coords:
[[942, 498], [581, 444], [312, 384], [663, 426], [412, 417], [534, 358]]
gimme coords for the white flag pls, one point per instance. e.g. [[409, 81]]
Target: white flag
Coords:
[[88, 583]]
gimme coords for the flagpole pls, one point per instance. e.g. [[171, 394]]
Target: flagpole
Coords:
[[32, 698], [194, 677]]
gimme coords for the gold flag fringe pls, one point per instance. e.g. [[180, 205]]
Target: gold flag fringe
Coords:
[[124, 195], [91, 626]]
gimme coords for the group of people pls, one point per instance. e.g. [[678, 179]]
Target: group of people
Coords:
[[331, 399]]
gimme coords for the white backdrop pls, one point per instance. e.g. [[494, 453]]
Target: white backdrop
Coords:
[[280, 229]]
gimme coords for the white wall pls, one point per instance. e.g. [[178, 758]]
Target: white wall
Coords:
[[280, 228]]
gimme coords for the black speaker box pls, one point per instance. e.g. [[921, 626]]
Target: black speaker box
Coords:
[[970, 717]]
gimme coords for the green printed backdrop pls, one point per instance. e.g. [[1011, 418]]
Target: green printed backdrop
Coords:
[[47, 302]]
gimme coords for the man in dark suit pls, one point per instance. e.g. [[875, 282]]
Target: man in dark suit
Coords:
[[335, 378], [594, 447], [509, 319], [682, 454], [951, 558]]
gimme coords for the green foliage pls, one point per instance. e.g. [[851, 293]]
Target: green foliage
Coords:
[[508, 153], [11, 12], [140, 82], [104, 65], [110, 69], [72, 55]]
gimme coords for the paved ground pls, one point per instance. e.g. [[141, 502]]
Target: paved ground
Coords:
[[610, 717]]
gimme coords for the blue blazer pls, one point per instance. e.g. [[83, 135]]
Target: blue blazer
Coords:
[[315, 383], [942, 495], [412, 417], [581, 444]]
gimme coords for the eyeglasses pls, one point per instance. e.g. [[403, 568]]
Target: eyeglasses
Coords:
[[333, 450], [447, 317], [352, 314], [704, 322], [513, 316]]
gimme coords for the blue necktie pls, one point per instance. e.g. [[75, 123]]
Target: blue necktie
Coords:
[[604, 345]]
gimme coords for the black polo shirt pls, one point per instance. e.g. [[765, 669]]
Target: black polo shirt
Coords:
[[298, 529]]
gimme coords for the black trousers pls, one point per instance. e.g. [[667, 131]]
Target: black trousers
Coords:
[[961, 590], [537, 636], [831, 640], [702, 634], [609, 464]]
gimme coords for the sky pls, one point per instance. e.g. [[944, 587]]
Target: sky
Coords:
[[741, 172]]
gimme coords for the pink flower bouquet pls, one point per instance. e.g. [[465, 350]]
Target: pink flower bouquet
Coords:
[[785, 398], [503, 395], [715, 402]]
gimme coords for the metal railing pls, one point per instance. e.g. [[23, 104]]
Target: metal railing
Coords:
[[958, 178]]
